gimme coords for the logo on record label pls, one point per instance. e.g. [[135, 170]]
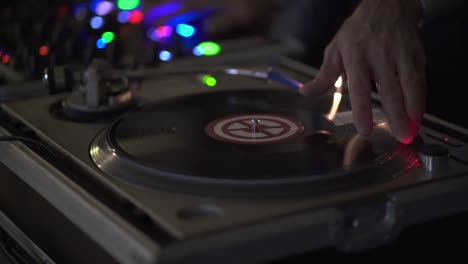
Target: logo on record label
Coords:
[[255, 129]]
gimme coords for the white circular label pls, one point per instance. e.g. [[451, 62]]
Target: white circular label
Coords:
[[255, 129]]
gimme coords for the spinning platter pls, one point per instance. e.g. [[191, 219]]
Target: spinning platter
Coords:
[[245, 143]]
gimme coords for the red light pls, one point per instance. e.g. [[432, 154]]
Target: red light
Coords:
[[136, 17], [43, 50], [62, 11], [6, 59], [446, 139], [407, 140]]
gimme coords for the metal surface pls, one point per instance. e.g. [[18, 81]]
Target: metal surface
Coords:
[[25, 244], [434, 157], [108, 230]]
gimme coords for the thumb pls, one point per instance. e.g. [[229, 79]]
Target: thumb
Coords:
[[329, 72]]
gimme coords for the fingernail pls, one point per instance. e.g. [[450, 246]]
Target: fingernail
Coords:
[[306, 87], [301, 89]]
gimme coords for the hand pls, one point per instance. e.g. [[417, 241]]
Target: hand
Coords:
[[227, 15], [379, 43]]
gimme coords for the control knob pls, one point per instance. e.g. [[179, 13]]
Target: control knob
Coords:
[[434, 157]]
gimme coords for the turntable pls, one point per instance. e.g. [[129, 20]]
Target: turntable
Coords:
[[230, 165]]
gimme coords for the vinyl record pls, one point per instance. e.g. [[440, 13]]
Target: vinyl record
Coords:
[[241, 142]]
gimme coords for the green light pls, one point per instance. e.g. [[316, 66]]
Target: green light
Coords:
[[209, 48], [209, 81], [108, 37], [128, 4]]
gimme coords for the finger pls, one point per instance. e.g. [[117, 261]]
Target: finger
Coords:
[[329, 72], [357, 71], [413, 83], [391, 97]]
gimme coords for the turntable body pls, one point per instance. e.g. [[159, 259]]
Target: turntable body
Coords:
[[226, 219]]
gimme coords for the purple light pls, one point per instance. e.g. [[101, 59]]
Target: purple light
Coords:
[[123, 16], [159, 33], [103, 8], [151, 34], [164, 31]]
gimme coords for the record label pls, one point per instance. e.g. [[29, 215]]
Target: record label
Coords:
[[255, 129]]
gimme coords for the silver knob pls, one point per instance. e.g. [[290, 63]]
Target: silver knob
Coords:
[[434, 157]]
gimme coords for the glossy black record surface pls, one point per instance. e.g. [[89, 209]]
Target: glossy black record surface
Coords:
[[169, 141]]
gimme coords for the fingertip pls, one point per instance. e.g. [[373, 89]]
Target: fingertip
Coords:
[[404, 135], [306, 88], [406, 140]]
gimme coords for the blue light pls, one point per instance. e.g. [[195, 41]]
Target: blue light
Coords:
[[100, 43], [163, 10], [198, 51], [151, 34], [123, 16], [165, 55], [97, 22], [93, 5], [185, 30]]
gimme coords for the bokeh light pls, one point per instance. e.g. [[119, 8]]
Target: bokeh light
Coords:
[[123, 16], [165, 55], [164, 31], [97, 22], [128, 4], [44, 50], [197, 51], [136, 17], [207, 49], [209, 81], [6, 58], [100, 44], [108, 37], [103, 8], [185, 30]]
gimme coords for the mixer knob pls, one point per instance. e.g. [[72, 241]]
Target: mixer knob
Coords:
[[434, 157], [58, 79]]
